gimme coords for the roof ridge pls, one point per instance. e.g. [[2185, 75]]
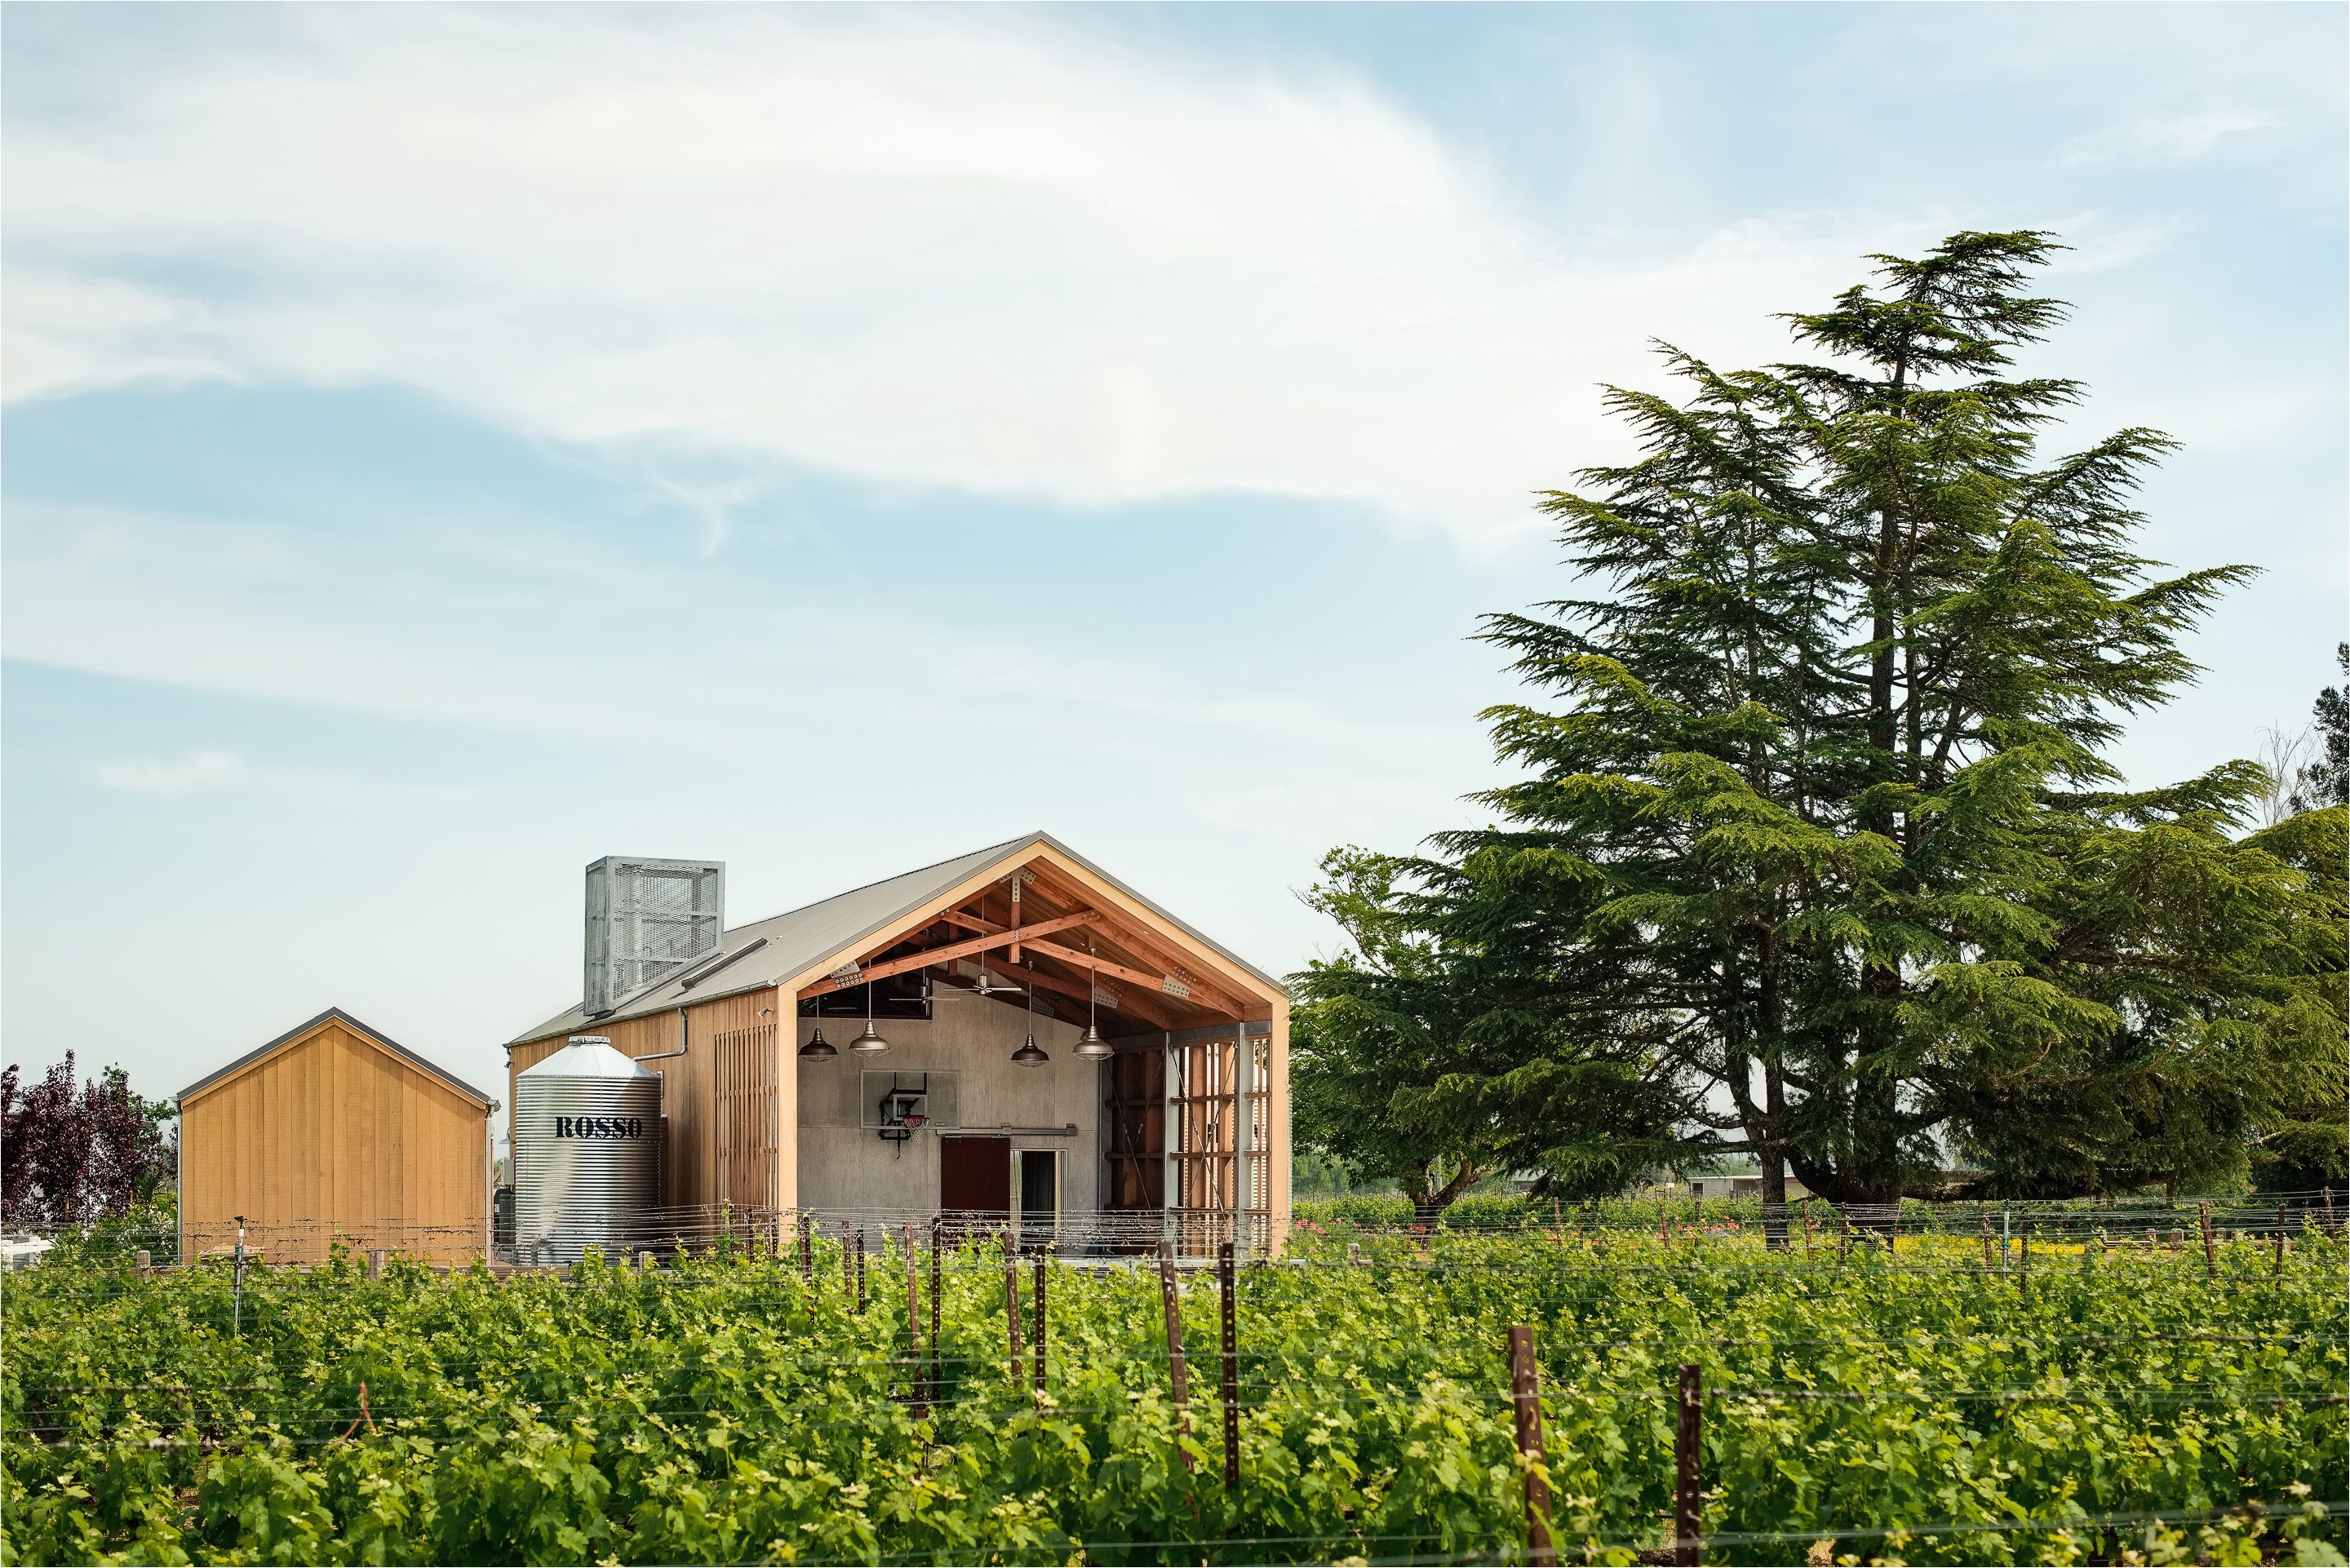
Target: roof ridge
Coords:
[[866, 887], [335, 1015], [824, 927]]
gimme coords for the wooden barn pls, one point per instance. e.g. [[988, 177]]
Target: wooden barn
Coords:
[[334, 1131], [1013, 1031]]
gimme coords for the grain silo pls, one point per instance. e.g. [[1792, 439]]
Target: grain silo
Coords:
[[587, 1153]]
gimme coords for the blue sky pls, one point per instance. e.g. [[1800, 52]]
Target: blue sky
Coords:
[[445, 446]]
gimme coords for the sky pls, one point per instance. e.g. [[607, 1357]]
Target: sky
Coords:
[[445, 446]]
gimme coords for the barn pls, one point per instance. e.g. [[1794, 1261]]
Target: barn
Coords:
[[1013, 1031], [334, 1131]]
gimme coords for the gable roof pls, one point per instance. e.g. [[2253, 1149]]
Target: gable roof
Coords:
[[336, 1015], [772, 951]]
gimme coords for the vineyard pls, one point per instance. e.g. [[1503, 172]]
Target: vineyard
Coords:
[[1933, 1395]]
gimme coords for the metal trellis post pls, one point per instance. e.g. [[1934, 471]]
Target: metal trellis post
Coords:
[[914, 1321], [1689, 1499], [1180, 1385], [1038, 1306], [1231, 1389], [1525, 1400]]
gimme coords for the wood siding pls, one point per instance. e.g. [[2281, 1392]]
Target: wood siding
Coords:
[[335, 1137], [688, 1086], [691, 1090]]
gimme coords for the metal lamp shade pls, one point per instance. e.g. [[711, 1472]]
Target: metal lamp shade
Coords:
[[1029, 1055], [870, 1042], [818, 1049], [1093, 1048]]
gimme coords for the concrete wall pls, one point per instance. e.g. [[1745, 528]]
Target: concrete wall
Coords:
[[845, 1166]]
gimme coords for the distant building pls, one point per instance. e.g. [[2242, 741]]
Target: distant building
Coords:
[[335, 1132], [1739, 1176]]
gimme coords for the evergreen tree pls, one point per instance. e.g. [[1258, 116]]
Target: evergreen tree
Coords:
[[1821, 852], [2326, 781]]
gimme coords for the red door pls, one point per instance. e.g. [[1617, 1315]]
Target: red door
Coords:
[[975, 1177]]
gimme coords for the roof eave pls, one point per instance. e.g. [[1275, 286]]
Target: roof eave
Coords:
[[254, 1058]]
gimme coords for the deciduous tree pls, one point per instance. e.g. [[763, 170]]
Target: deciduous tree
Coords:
[[72, 1153]]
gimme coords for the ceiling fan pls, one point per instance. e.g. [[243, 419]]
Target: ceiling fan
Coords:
[[985, 987]]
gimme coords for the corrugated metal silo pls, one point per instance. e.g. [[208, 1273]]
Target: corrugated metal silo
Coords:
[[587, 1153]]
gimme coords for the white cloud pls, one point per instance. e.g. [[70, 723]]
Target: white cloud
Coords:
[[958, 252], [66, 334], [2165, 138], [179, 775]]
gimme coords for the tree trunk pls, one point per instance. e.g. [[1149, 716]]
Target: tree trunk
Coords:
[[1428, 1204], [1873, 1171], [1772, 1155]]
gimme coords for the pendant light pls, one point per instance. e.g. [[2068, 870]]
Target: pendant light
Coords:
[[1030, 1055], [818, 1049], [1093, 1048], [870, 1042]]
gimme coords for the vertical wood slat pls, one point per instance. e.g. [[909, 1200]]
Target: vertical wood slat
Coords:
[[1222, 1095], [746, 1126], [330, 1139], [688, 1088]]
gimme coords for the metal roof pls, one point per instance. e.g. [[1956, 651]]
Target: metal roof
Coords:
[[374, 1036], [844, 924]]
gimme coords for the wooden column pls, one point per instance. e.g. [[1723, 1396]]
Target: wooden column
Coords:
[[1277, 1122], [1243, 1129], [1170, 1138], [787, 1097]]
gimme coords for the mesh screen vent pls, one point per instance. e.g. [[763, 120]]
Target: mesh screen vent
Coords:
[[646, 920]]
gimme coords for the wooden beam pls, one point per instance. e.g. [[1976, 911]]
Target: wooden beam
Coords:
[[1129, 1003], [1152, 983], [1202, 994], [1198, 992], [930, 956], [1220, 993]]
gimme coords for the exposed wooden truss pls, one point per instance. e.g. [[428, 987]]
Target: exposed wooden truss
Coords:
[[1162, 985], [1200, 992], [1155, 983], [930, 956], [1129, 1004], [1215, 991]]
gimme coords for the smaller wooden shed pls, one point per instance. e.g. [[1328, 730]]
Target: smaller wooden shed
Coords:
[[335, 1131]]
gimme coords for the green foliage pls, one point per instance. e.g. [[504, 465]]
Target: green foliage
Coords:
[[2326, 781], [1436, 1062], [151, 1226], [1818, 856], [724, 1411]]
